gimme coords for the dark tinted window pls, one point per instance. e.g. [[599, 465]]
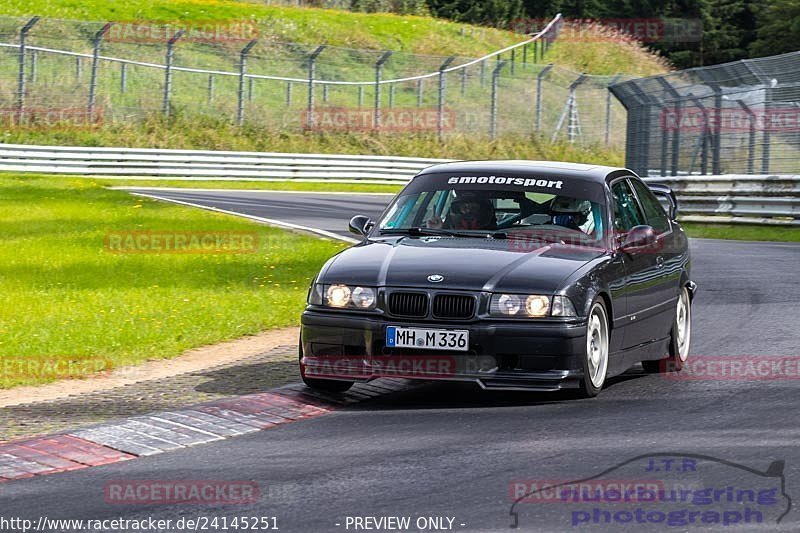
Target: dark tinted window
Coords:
[[653, 211], [626, 211]]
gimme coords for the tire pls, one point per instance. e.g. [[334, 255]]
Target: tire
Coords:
[[595, 356], [323, 385], [680, 339]]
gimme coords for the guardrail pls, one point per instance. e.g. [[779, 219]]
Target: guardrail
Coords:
[[208, 165], [737, 198], [752, 199]]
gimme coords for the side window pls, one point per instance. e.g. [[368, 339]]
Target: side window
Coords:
[[626, 211], [653, 211]]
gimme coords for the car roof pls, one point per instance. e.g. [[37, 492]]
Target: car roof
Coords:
[[593, 173]]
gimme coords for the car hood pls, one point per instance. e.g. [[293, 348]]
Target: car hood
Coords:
[[507, 265]]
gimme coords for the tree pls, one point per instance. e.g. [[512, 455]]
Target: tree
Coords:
[[499, 13], [778, 28]]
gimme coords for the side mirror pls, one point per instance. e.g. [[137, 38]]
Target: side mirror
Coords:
[[638, 237], [360, 225], [663, 191]]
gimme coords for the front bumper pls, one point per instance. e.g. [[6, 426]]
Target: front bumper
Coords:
[[502, 355]]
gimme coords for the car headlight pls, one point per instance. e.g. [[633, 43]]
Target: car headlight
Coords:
[[363, 297], [338, 295], [342, 296], [530, 305], [508, 304], [537, 305]]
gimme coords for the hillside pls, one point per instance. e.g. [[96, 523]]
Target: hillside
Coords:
[[410, 34]]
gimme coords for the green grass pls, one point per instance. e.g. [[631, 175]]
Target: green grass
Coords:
[[65, 298], [742, 232], [602, 52], [422, 35], [256, 185], [211, 134]]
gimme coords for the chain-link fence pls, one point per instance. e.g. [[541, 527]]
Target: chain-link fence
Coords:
[[55, 72], [736, 118]]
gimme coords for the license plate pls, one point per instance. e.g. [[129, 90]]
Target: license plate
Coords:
[[427, 339]]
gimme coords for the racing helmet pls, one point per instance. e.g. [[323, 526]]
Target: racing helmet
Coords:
[[570, 212]]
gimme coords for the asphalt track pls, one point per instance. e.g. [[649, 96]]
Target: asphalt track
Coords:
[[455, 451]]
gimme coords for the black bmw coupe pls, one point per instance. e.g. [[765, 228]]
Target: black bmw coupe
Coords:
[[516, 275]]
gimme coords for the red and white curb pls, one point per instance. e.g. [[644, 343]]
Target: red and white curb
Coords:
[[160, 432]]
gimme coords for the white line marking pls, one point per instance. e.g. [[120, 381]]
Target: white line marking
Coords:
[[270, 221], [270, 191]]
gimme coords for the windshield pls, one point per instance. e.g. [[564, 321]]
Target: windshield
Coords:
[[535, 206]]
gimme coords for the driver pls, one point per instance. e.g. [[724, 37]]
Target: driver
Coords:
[[469, 211], [570, 212]]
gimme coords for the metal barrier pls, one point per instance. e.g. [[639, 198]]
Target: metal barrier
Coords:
[[753, 199], [208, 165], [734, 198]]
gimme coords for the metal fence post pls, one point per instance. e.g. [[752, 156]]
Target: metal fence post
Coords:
[[751, 137], [539, 78], [440, 112], [535, 52], [78, 68], [251, 83], [513, 59], [463, 81], [570, 113], [493, 109], [483, 73], [242, 74], [210, 89], [716, 163], [123, 77], [639, 138], [97, 41], [378, 69], [288, 94], [676, 132], [168, 71], [573, 125], [607, 135], [765, 149], [391, 95], [23, 34], [419, 92], [312, 63], [325, 93], [360, 96]]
